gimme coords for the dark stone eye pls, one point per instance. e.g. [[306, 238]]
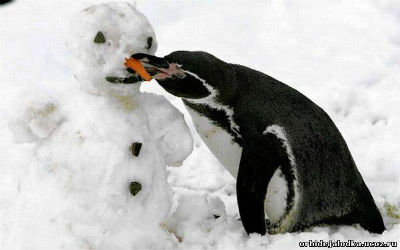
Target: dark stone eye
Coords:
[[149, 42], [99, 38]]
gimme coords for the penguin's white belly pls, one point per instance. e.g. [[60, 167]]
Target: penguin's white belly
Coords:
[[276, 199], [219, 142], [228, 152]]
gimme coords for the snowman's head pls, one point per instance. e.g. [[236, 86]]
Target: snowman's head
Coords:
[[101, 37]]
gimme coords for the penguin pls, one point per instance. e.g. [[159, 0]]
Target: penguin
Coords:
[[289, 159]]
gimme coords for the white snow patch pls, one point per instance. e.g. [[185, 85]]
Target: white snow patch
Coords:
[[36, 118]]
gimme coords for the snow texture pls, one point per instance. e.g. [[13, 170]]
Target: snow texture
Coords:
[[64, 153]]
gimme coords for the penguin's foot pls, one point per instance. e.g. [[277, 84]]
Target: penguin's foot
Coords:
[[272, 228], [267, 223]]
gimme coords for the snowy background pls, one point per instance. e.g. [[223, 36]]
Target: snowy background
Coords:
[[343, 55]]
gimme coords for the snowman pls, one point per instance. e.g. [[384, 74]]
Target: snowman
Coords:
[[99, 155]]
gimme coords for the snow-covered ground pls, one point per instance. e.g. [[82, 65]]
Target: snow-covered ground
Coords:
[[344, 55]]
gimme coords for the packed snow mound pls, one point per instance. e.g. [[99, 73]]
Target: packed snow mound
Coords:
[[164, 122], [108, 33], [37, 118], [202, 210], [96, 174]]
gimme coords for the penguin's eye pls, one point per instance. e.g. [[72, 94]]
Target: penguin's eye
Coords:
[[149, 42]]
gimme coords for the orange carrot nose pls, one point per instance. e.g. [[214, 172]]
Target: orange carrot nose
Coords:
[[137, 66]]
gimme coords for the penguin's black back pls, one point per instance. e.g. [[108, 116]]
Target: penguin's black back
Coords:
[[332, 189]]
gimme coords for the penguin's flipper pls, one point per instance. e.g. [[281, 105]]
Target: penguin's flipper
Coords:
[[255, 172]]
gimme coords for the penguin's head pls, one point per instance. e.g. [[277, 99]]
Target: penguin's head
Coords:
[[189, 75]]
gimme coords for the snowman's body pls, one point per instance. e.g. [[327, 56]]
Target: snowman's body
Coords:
[[81, 144]]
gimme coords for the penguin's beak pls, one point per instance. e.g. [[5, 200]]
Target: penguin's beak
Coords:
[[150, 61], [144, 67], [150, 66], [158, 67]]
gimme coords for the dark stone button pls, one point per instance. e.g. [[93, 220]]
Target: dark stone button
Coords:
[[135, 148], [135, 188]]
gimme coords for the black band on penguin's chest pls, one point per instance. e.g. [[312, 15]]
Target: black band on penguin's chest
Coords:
[[217, 116]]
